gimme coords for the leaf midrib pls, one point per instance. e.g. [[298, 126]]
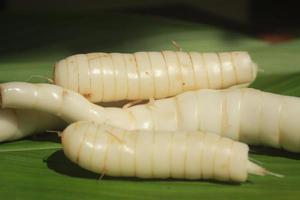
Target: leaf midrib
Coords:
[[29, 149]]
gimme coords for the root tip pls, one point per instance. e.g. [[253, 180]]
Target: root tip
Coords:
[[274, 174], [255, 169]]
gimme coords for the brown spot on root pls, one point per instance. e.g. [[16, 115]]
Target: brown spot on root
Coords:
[[91, 56], [87, 95], [183, 83], [64, 93], [132, 59], [104, 55]]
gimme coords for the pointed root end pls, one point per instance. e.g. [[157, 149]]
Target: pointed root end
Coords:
[[255, 169]]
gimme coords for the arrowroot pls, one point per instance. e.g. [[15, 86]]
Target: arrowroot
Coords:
[[247, 115], [157, 154], [103, 77]]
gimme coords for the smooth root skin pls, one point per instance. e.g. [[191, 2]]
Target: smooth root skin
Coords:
[[112, 151], [106, 77], [246, 115], [16, 124]]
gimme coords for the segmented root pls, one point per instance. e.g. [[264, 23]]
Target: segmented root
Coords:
[[151, 74], [240, 111], [255, 169], [41, 77]]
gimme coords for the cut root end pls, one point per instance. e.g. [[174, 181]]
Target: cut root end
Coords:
[[255, 169]]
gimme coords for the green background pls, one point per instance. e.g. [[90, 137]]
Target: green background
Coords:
[[36, 167]]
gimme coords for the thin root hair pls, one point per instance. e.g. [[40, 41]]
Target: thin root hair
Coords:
[[49, 80], [54, 131], [176, 45], [114, 136]]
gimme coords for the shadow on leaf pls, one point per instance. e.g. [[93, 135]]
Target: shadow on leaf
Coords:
[[261, 150], [49, 137], [59, 163]]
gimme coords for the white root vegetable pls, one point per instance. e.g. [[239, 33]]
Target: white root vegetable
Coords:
[[16, 124], [157, 154], [247, 115], [103, 77]]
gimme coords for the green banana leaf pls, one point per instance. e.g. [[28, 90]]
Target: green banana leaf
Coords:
[[36, 167]]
